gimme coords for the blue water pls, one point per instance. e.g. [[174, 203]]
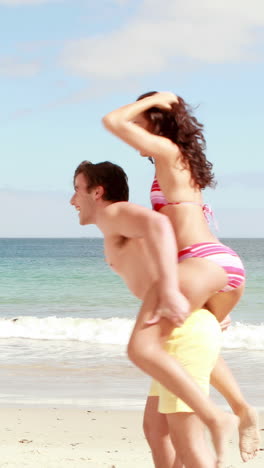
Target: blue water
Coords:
[[65, 319], [62, 277]]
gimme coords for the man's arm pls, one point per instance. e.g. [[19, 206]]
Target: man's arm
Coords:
[[134, 221]]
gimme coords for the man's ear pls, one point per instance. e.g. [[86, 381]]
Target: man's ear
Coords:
[[98, 192]]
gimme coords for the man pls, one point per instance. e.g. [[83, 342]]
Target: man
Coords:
[[140, 246]]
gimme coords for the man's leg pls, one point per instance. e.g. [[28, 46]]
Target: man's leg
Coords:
[[222, 379], [145, 349], [187, 434], [157, 433], [249, 438]]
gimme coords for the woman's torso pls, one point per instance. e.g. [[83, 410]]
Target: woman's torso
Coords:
[[185, 207]]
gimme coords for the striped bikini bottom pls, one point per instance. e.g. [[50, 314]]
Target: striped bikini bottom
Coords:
[[221, 255]]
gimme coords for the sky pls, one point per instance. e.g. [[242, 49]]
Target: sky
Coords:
[[64, 64]]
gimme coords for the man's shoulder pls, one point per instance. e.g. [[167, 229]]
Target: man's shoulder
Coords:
[[119, 207], [125, 209]]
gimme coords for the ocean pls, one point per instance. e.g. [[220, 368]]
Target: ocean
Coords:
[[65, 319]]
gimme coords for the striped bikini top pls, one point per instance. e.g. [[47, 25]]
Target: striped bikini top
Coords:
[[158, 200]]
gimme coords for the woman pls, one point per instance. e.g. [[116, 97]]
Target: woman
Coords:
[[161, 127]]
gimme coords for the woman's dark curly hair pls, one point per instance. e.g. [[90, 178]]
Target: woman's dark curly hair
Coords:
[[181, 127]]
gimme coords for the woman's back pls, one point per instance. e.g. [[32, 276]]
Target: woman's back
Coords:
[[174, 194]]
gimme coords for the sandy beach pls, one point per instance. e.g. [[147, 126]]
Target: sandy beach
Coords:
[[68, 437]]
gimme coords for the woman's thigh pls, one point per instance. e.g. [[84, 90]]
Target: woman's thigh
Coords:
[[222, 303], [156, 333], [201, 280]]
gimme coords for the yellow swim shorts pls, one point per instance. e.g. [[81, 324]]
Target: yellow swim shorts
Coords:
[[196, 346]]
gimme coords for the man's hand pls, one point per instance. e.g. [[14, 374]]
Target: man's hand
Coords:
[[172, 305]]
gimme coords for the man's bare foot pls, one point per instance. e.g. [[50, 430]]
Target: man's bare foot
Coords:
[[249, 436], [221, 430]]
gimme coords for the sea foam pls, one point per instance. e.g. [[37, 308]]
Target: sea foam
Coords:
[[112, 331]]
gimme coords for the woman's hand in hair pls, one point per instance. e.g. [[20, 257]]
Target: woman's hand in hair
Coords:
[[164, 100]]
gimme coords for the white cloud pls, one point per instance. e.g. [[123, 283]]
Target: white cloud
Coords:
[[165, 31], [10, 67]]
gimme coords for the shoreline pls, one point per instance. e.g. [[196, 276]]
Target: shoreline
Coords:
[[54, 437], [90, 406]]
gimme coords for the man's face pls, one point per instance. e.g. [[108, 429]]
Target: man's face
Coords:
[[83, 201]]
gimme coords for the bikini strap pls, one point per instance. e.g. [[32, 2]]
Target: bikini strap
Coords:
[[209, 215]]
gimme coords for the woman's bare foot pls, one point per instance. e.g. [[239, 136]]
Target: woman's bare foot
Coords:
[[221, 430], [249, 436]]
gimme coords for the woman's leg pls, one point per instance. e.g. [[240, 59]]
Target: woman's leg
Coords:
[[220, 305], [187, 434], [249, 437], [146, 351], [200, 280]]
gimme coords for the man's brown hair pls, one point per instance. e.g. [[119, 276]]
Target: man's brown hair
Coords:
[[108, 175]]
